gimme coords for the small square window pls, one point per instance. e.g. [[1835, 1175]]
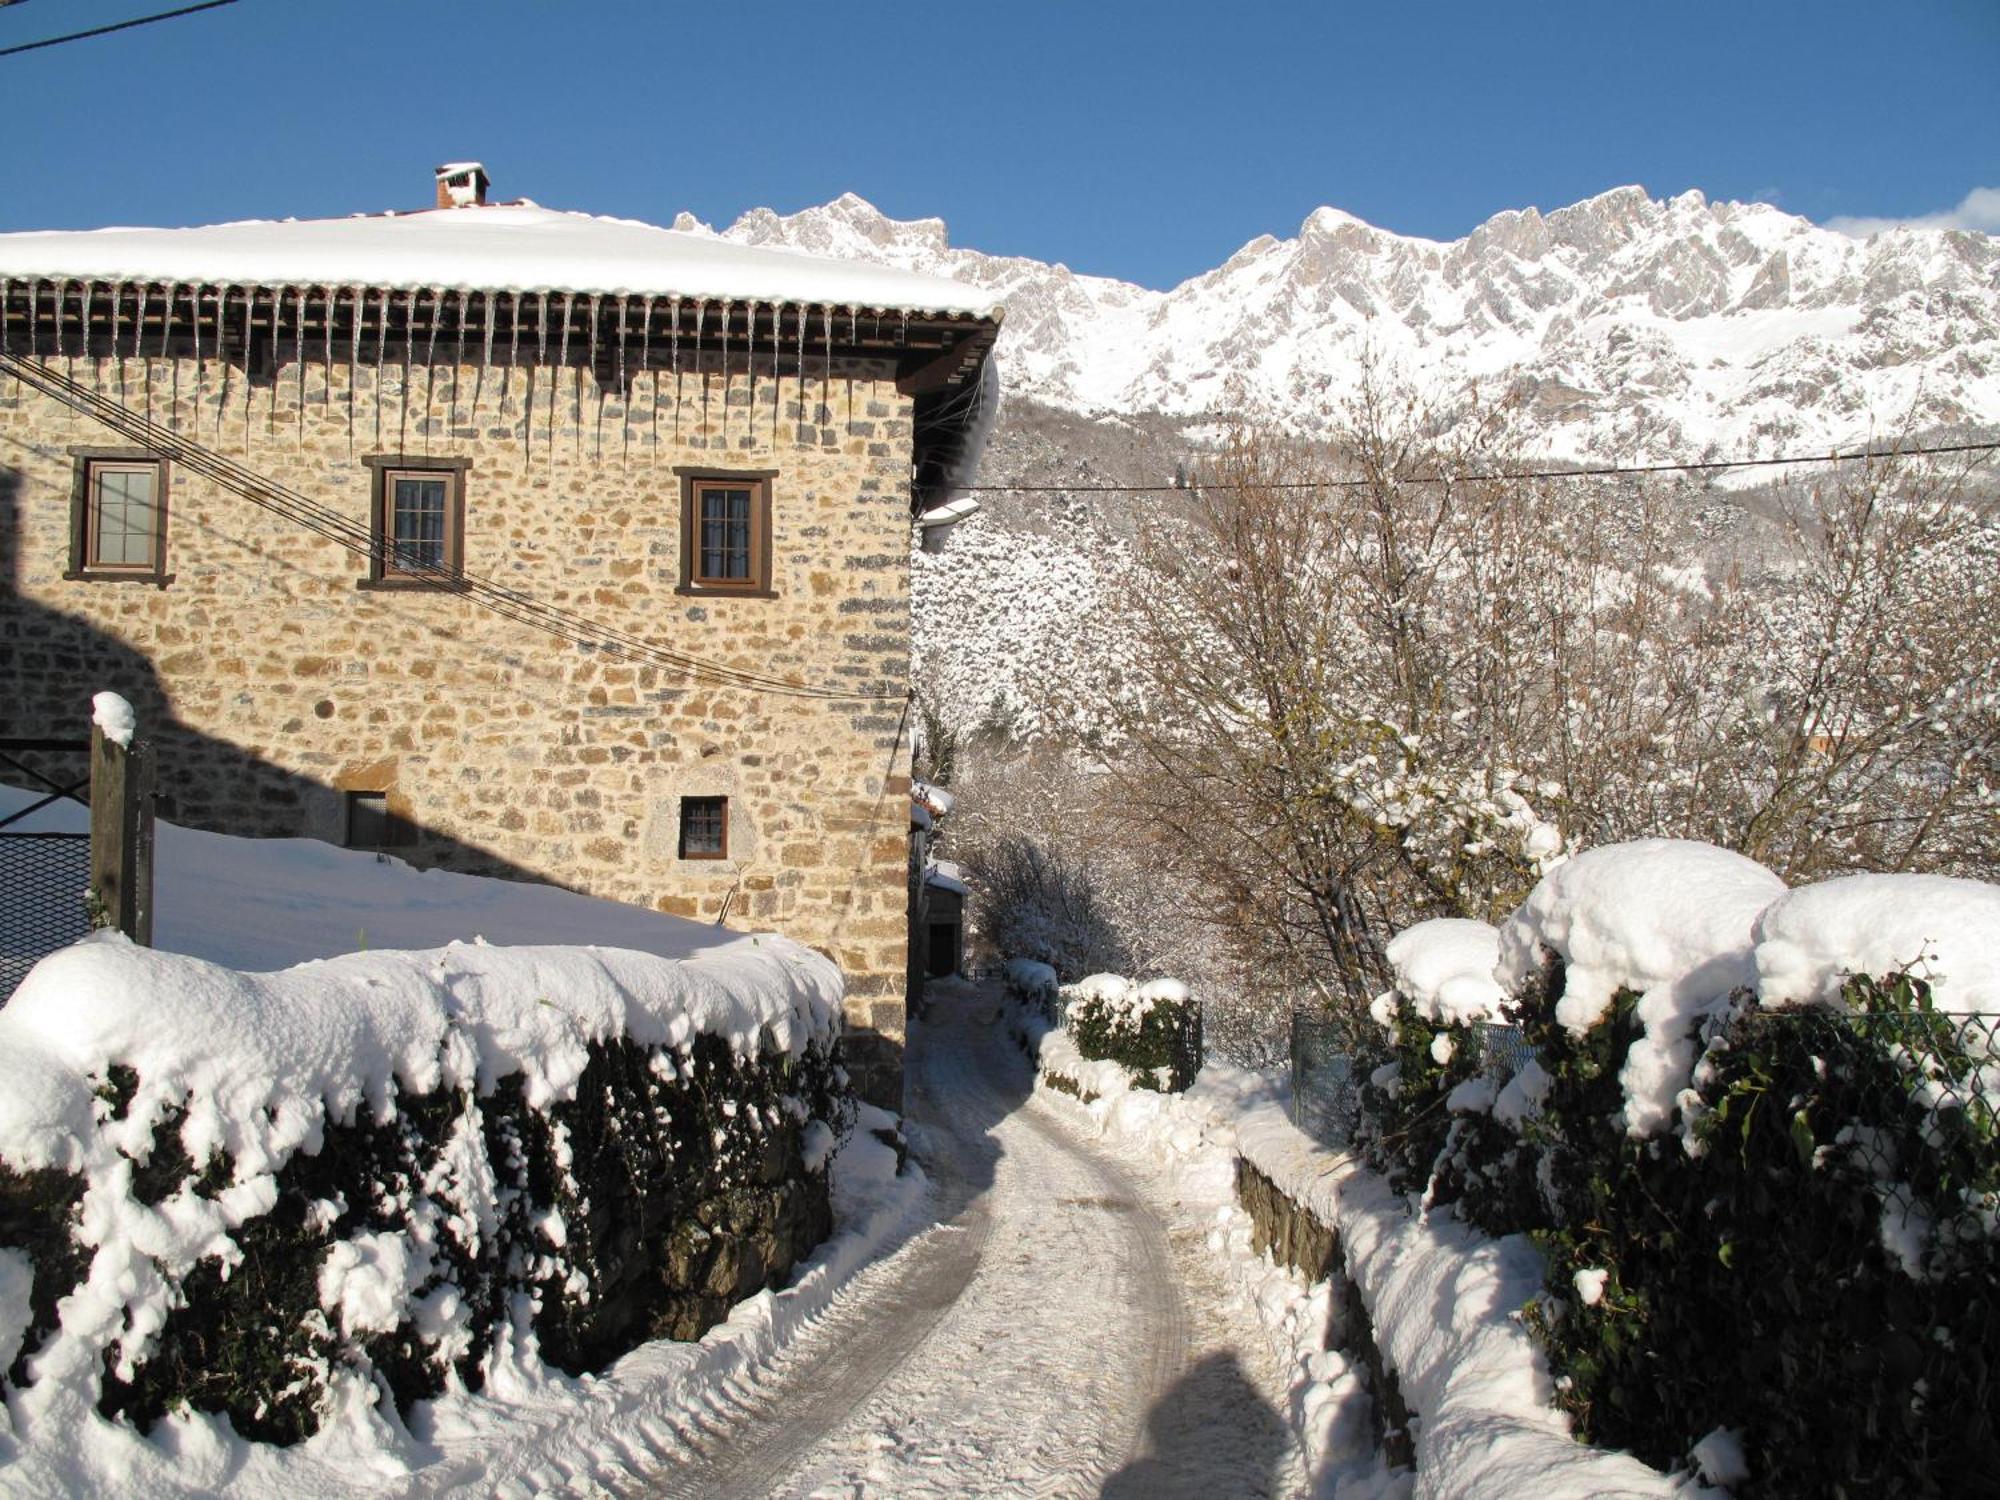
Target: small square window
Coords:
[[725, 532], [370, 824], [704, 828], [417, 523], [118, 525]]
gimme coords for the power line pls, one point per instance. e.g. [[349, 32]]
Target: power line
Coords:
[[355, 537], [78, 36], [1492, 476]]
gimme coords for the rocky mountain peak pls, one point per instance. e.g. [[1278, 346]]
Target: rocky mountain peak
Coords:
[[1666, 325]]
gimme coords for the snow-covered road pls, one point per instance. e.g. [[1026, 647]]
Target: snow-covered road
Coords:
[[1061, 1331]]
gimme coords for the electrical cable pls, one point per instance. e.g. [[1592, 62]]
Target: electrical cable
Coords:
[[1495, 476], [353, 536], [78, 36]]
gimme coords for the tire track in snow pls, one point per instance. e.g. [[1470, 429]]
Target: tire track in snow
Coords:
[[1018, 1348]]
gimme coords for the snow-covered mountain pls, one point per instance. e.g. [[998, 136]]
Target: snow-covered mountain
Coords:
[[1632, 328]]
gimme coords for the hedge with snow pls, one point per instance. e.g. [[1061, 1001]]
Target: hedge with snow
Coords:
[[306, 1199], [1755, 1141]]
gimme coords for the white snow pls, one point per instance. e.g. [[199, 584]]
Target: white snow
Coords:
[[263, 904], [498, 247], [17, 1284], [1943, 929], [1589, 1284], [1719, 1457], [114, 716], [1444, 967], [1667, 918], [1443, 1299]]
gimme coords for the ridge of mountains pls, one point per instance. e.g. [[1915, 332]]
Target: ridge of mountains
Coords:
[[1623, 326]]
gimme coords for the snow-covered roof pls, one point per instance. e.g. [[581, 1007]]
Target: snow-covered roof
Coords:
[[499, 247]]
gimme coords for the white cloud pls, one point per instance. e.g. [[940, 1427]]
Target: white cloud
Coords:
[[1978, 209]]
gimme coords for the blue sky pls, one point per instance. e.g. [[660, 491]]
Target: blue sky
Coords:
[[1140, 141]]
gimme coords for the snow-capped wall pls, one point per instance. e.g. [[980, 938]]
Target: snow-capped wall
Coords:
[[308, 1198]]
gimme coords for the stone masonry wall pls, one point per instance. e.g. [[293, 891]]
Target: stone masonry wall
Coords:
[[272, 684]]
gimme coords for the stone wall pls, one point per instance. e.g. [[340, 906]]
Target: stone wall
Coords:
[[1293, 1236], [273, 685]]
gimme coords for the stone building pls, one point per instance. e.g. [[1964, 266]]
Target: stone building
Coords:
[[512, 541]]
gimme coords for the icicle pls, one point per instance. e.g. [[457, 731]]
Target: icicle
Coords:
[[597, 452], [117, 346], [826, 368], [701, 316], [675, 345], [624, 391], [222, 356], [646, 361], [777, 374], [353, 361], [68, 355], [457, 364], [277, 358], [485, 357], [327, 299], [88, 288], [200, 374], [249, 391], [34, 317], [576, 390], [300, 318], [803, 311], [139, 347], [542, 364], [750, 345], [381, 349], [430, 359], [726, 306]]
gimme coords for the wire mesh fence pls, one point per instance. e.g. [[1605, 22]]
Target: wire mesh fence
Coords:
[[45, 878], [1326, 1095]]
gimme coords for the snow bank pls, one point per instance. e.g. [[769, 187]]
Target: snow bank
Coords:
[[1666, 918], [499, 247], [1444, 968], [1943, 929], [1445, 1303], [262, 904]]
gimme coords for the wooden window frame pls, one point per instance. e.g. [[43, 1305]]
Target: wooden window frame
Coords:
[[91, 462], [383, 470], [722, 806], [758, 481]]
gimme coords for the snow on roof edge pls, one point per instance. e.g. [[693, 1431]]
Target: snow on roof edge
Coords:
[[516, 248]]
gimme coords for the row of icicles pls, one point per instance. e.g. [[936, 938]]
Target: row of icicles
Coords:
[[530, 319]]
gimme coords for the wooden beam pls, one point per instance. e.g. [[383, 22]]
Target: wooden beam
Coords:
[[922, 377]]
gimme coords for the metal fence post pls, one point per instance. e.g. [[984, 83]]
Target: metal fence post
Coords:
[[121, 836]]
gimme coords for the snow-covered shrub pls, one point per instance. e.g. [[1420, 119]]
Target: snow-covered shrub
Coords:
[[319, 1195], [1812, 1266], [1152, 1030], [1757, 1151], [1032, 984]]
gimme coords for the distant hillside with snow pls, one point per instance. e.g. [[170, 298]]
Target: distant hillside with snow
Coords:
[[1625, 329], [1632, 327]]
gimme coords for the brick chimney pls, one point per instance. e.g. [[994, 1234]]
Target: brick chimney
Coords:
[[461, 184]]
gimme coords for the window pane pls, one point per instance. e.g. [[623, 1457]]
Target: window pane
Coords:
[[417, 523], [127, 516], [703, 821], [725, 534]]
